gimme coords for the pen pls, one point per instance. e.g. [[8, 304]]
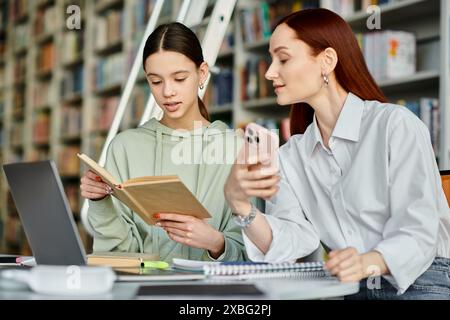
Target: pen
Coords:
[[155, 264]]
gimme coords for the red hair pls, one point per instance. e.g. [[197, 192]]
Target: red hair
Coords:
[[322, 29]]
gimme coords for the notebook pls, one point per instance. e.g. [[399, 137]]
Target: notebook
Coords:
[[262, 270]]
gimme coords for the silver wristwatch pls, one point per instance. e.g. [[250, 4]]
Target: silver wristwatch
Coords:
[[244, 221]]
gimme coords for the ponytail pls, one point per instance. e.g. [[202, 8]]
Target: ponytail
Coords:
[[203, 109]]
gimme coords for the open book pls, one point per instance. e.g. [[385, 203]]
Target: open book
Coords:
[[149, 195]]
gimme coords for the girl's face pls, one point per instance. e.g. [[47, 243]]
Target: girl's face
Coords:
[[174, 80], [294, 71]]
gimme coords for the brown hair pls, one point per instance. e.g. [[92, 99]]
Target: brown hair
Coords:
[[176, 37], [322, 29]]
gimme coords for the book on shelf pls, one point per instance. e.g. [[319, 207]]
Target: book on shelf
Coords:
[[150, 195], [389, 54], [110, 71], [120, 259], [68, 163], [428, 110]]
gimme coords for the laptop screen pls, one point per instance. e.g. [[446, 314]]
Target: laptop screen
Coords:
[[45, 213]]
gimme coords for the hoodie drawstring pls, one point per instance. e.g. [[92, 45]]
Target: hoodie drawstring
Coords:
[[158, 172]]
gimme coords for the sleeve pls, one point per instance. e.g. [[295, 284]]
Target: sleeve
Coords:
[[111, 220], [410, 234], [234, 246], [293, 236]]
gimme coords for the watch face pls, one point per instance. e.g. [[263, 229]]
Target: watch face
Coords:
[[245, 221]]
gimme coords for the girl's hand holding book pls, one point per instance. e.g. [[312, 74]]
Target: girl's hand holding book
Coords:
[[92, 186], [192, 231]]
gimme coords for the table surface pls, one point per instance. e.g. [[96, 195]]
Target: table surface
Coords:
[[285, 288]]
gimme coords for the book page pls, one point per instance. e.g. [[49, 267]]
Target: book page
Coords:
[[150, 179], [94, 166], [164, 196]]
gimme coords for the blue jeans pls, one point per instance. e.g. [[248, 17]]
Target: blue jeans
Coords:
[[433, 284]]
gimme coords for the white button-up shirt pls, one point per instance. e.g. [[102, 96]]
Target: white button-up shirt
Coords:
[[376, 188]]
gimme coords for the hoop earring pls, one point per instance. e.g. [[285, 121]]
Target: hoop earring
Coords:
[[201, 86], [326, 80]]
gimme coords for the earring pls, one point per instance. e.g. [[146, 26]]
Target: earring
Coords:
[[201, 86], [325, 79]]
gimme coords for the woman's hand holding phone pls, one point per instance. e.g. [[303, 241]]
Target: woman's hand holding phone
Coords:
[[255, 173]]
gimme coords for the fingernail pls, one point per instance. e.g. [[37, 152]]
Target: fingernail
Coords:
[[156, 216], [158, 224], [98, 179]]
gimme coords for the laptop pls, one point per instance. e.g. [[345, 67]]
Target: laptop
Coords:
[[45, 213]]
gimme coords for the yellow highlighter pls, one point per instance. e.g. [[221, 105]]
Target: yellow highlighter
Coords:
[[155, 264]]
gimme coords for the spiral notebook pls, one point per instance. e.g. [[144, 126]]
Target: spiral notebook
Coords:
[[255, 270]]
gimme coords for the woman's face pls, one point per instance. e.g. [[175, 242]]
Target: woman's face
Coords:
[[295, 73], [174, 81]]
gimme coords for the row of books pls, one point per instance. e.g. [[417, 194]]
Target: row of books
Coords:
[[46, 21], [136, 106], [41, 95], [389, 54], [73, 46], [220, 89], [2, 46], [428, 110], [346, 8], [2, 78], [72, 192], [16, 138], [141, 12], [3, 15], [13, 232], [41, 128], [95, 146], [19, 9], [19, 101], [259, 18], [46, 57], [68, 162], [2, 142], [71, 122], [105, 113], [21, 37], [110, 71], [280, 126], [72, 82], [19, 69], [228, 39], [2, 104], [253, 82], [38, 154], [109, 29]]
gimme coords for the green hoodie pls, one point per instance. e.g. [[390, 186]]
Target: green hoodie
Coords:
[[154, 149]]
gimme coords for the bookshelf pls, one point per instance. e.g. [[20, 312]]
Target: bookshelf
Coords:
[[59, 87], [55, 107]]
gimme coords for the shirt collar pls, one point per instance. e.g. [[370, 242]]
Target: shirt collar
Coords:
[[347, 126]]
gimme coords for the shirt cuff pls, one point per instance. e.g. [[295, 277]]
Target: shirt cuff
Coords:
[[400, 277], [222, 256], [253, 251]]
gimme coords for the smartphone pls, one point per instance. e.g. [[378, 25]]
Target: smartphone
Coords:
[[260, 144]]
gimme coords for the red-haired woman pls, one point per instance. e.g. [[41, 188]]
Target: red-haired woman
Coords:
[[359, 175]]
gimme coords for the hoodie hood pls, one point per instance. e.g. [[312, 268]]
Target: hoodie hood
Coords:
[[215, 128]]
